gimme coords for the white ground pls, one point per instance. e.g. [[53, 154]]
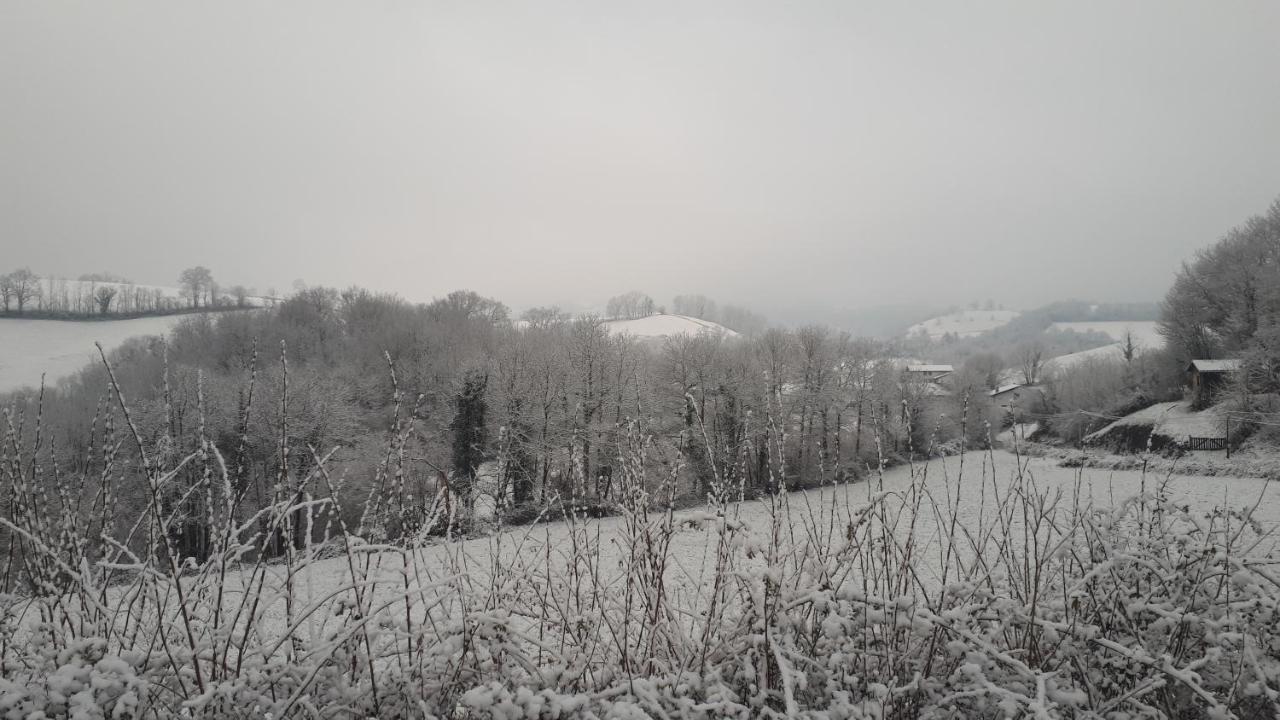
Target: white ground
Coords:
[[525, 551], [657, 326], [61, 347], [1145, 333], [963, 323], [693, 548], [1175, 420], [1114, 351]]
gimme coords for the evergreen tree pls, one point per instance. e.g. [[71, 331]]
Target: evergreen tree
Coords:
[[468, 428]]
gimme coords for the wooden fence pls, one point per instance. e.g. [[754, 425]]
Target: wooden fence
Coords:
[[1206, 443]]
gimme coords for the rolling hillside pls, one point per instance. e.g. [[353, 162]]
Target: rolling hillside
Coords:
[[660, 326], [963, 323]]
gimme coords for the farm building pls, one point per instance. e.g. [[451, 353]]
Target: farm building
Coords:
[[1205, 378], [929, 373], [1012, 400]]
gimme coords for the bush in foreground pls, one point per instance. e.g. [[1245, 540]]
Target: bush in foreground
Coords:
[[895, 604]]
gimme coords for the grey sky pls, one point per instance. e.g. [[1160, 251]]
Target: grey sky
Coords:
[[788, 153]]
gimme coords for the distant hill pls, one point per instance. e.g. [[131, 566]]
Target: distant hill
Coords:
[[963, 323], [661, 325], [1145, 332]]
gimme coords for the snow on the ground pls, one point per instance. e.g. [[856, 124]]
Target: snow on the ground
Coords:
[[970, 489], [660, 325], [62, 347], [693, 547], [1173, 420], [963, 323], [1114, 351], [53, 287], [1145, 332]]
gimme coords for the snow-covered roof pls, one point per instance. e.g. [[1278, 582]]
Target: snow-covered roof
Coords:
[[934, 390], [930, 368], [1005, 388], [659, 326], [1215, 366]]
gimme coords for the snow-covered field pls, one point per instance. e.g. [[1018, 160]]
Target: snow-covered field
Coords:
[[694, 547], [1114, 351], [550, 612], [1145, 332], [963, 323], [59, 348], [660, 325]]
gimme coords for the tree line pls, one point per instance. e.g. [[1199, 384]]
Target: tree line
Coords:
[[1225, 303], [635, 304], [540, 409], [23, 292]]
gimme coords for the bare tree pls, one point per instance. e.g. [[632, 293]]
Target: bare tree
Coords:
[[241, 295], [104, 295], [699, 306], [544, 317], [987, 366], [629, 306], [195, 281], [6, 290], [1031, 362], [23, 286]]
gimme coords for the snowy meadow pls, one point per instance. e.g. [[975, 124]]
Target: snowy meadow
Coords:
[[32, 348], [976, 585]]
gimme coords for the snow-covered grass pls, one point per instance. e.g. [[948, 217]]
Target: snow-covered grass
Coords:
[[58, 348], [963, 323], [662, 325], [980, 585], [1114, 351], [1175, 421], [1145, 333]]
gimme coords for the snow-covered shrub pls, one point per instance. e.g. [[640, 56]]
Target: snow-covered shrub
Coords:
[[878, 604]]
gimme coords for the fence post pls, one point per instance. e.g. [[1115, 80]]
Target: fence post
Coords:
[[1228, 434]]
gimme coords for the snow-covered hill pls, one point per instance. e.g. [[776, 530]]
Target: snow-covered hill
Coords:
[[660, 326], [59, 348], [963, 323], [1145, 332], [1114, 351]]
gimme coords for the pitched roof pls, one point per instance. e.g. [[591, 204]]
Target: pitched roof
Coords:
[[1215, 366], [1005, 388], [930, 368]]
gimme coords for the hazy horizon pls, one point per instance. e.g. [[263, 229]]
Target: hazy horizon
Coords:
[[816, 156]]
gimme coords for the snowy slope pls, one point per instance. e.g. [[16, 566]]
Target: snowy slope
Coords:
[[61, 347], [659, 326], [1114, 351], [694, 548], [963, 323], [1174, 420], [1145, 332]]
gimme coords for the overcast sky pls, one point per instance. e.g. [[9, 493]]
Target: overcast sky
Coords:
[[772, 153]]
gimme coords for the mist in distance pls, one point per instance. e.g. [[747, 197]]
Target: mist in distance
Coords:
[[803, 160]]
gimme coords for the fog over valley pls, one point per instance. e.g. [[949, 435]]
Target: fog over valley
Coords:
[[627, 360]]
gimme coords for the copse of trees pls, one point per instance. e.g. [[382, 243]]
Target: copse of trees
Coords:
[[630, 305], [198, 284], [19, 287], [547, 407], [1228, 293]]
